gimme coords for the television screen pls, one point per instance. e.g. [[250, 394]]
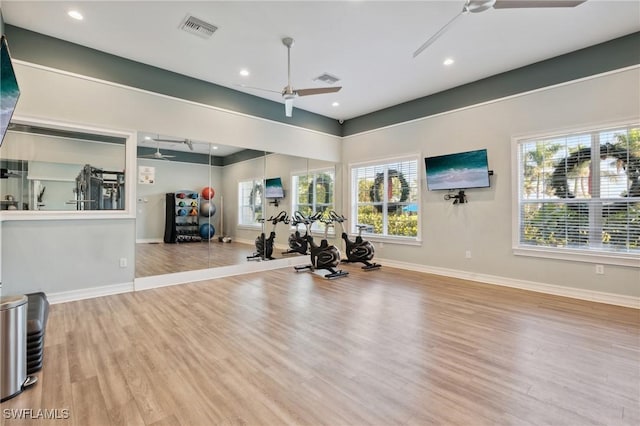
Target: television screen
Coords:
[[273, 188], [9, 91], [458, 171]]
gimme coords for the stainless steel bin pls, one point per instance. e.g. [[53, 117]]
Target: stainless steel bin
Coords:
[[13, 346]]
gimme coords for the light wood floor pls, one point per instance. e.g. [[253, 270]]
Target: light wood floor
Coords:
[[383, 348], [159, 259]]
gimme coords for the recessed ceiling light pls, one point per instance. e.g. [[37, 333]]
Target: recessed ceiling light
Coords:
[[147, 138], [335, 104], [75, 15], [215, 147], [244, 72], [448, 61]]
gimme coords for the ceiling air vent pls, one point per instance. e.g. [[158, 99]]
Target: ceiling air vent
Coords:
[[196, 26], [327, 78]]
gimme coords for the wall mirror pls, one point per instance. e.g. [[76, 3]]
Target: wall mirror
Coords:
[[47, 169], [168, 166], [186, 198]]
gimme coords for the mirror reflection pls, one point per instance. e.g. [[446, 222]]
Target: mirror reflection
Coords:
[[46, 169], [239, 184], [183, 219]]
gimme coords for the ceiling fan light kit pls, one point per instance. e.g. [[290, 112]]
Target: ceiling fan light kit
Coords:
[[476, 6]]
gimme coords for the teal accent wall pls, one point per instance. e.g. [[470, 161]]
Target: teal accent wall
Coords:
[[55, 53], [615, 54]]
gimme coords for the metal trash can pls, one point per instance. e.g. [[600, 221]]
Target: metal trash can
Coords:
[[13, 346]]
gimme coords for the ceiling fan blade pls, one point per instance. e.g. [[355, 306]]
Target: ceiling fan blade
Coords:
[[317, 91], [288, 107], [514, 4], [438, 34]]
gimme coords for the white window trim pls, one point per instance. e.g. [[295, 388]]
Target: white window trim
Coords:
[[569, 254], [352, 193]]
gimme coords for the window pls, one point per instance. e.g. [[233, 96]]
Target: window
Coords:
[[250, 202], [314, 192], [580, 194], [386, 198]]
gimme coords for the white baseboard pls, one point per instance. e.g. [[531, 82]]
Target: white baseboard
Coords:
[[557, 290], [149, 240], [146, 283], [89, 293]]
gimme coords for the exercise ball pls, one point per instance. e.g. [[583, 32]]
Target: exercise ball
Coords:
[[180, 195], [208, 193], [182, 212], [207, 208], [207, 231]]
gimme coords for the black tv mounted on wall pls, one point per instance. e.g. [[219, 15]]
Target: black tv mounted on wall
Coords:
[[459, 171], [9, 90], [462, 170], [273, 189]]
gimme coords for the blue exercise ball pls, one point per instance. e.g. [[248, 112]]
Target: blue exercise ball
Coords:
[[207, 231]]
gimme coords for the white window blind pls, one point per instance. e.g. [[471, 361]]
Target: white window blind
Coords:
[[581, 192]]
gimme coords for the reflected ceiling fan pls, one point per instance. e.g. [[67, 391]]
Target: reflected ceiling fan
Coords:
[[475, 6], [289, 93], [188, 142], [157, 155]]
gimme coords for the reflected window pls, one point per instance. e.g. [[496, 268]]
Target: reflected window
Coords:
[[314, 192], [250, 195], [58, 170]]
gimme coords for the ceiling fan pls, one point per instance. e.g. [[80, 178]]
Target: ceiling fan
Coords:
[[475, 6], [157, 155], [289, 93], [188, 142]]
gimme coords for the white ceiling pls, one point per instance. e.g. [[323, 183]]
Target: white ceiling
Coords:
[[368, 44]]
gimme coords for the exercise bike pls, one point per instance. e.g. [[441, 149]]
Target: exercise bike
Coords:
[[297, 243], [323, 256], [264, 246], [358, 251]]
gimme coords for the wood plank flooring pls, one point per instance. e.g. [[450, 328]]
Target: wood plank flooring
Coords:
[[159, 258], [387, 347]]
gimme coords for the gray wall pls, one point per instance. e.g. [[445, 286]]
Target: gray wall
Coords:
[[65, 255], [484, 224], [171, 176]]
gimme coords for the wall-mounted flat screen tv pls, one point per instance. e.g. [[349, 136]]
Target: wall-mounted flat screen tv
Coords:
[[273, 188], [458, 171], [9, 91]]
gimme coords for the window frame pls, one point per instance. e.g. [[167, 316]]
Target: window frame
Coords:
[[254, 181], [589, 255], [353, 195]]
